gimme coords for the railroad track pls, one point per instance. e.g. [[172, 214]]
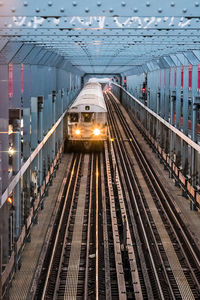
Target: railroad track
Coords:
[[167, 258], [111, 240], [84, 260]]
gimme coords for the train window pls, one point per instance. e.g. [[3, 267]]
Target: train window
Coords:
[[87, 117], [87, 107], [73, 117]]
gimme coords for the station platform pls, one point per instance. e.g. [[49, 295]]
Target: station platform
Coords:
[[23, 278]]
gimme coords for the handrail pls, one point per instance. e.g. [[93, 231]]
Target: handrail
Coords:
[[25, 166], [167, 124]]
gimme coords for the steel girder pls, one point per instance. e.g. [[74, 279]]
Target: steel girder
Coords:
[[114, 34], [18, 53], [97, 8]]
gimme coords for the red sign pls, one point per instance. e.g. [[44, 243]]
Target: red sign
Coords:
[[182, 70], [22, 78], [10, 80], [190, 77]]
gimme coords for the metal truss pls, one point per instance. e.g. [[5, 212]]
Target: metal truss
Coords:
[[101, 36]]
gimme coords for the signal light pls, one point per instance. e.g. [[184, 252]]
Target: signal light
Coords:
[[10, 200], [143, 90]]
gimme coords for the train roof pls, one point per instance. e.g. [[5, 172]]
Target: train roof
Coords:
[[92, 95], [100, 80]]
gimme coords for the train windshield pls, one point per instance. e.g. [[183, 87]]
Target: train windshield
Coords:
[[73, 117], [87, 117]]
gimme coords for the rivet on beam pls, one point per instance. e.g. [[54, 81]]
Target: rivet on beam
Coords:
[[74, 3], [50, 3], [148, 4], [172, 4], [123, 3], [25, 3], [98, 3], [37, 10]]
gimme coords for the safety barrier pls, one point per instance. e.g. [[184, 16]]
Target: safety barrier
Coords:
[[15, 258], [141, 115]]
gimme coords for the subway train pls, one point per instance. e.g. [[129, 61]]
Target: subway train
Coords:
[[87, 119]]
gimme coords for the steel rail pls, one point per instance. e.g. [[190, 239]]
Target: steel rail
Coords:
[[131, 255], [163, 121], [58, 231], [151, 176], [127, 163], [97, 230], [115, 232], [105, 236], [88, 234], [141, 220], [157, 188]]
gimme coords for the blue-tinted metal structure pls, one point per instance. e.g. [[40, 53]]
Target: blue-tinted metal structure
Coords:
[[48, 47]]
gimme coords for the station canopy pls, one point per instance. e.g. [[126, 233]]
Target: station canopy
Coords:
[[104, 36]]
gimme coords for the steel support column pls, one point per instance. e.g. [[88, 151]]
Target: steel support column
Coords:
[[178, 97], [1, 267], [16, 167], [185, 101], [26, 154], [1, 173], [172, 112], [34, 143], [194, 165], [166, 96], [40, 138], [54, 117], [61, 111], [185, 121], [162, 94], [178, 114]]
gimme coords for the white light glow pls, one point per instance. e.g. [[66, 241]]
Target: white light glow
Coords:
[[11, 151], [96, 131]]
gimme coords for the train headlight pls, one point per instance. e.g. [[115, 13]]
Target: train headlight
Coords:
[[96, 131], [77, 131]]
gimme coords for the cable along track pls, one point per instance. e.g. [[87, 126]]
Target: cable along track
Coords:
[[172, 256]]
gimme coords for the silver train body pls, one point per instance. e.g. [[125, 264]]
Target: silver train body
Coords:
[[87, 117]]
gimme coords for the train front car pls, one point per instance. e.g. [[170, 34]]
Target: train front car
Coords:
[[87, 119]]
